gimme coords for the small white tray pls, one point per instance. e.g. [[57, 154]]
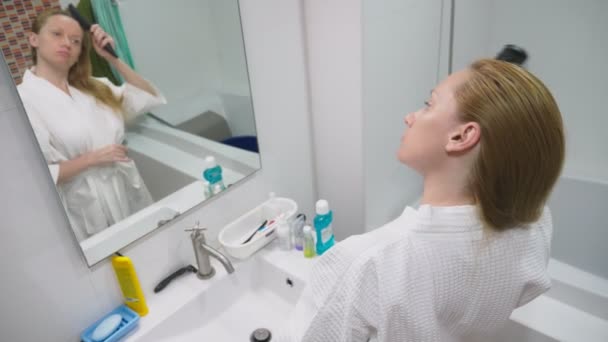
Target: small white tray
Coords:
[[235, 233]]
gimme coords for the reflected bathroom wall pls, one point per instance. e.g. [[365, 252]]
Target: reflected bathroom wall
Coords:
[[198, 59]]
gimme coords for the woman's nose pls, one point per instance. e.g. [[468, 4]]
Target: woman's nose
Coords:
[[409, 119], [65, 41]]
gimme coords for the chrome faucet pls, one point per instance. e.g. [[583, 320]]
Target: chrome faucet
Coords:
[[202, 251]]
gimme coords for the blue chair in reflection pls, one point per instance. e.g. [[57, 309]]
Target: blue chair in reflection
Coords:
[[245, 142]]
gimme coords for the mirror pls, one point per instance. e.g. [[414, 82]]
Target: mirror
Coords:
[[121, 174]]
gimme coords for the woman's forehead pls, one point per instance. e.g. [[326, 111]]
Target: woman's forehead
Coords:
[[64, 22], [449, 85]]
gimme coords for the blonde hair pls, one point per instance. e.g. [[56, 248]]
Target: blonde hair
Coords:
[[522, 144], [79, 75]]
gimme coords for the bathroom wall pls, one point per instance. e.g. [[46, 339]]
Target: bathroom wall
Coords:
[[333, 36], [197, 51], [404, 57], [45, 281], [367, 70], [566, 45]]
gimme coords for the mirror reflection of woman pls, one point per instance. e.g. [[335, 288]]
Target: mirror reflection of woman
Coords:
[[79, 122]]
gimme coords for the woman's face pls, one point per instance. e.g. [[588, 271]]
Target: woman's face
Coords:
[[59, 41], [429, 130]]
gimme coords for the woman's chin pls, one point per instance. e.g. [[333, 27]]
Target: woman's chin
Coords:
[[409, 160], [63, 64], [402, 156]]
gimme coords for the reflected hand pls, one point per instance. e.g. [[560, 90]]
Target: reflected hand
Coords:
[[107, 155], [100, 38]]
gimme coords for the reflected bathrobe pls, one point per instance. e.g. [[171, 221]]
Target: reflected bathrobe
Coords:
[[433, 274], [67, 126]]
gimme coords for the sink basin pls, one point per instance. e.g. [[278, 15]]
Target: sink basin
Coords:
[[259, 294]]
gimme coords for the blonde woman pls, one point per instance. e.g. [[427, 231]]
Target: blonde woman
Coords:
[[79, 122], [490, 144]]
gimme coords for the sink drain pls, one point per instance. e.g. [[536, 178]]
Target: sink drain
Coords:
[[260, 335]]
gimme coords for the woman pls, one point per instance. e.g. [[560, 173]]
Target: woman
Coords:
[[490, 145], [79, 122]]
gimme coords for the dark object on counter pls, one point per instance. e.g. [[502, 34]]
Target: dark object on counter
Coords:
[[512, 54], [172, 276], [260, 335]]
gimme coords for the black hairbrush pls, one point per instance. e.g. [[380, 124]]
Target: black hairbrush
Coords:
[[512, 54], [87, 27]]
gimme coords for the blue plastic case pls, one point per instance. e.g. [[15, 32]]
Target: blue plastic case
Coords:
[[129, 321]]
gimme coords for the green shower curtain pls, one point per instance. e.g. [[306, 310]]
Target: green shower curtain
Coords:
[[108, 17]]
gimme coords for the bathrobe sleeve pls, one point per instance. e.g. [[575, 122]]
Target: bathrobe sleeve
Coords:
[[52, 154], [340, 302], [135, 101]]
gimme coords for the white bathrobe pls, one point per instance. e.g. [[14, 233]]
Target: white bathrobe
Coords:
[[433, 274], [67, 126]]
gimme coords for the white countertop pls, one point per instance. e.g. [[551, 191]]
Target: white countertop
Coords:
[[186, 288]]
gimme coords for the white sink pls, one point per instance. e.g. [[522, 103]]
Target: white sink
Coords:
[[259, 294]]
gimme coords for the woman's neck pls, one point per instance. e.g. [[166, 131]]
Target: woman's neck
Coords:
[[447, 189], [58, 78]]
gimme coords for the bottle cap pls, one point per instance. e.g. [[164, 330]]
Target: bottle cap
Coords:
[[210, 162], [322, 207]]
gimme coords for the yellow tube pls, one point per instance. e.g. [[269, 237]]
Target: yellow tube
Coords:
[[129, 284]]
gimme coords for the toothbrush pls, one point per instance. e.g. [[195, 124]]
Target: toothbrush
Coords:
[[261, 227], [268, 225]]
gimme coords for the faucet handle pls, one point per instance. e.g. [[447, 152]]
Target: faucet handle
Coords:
[[196, 229]]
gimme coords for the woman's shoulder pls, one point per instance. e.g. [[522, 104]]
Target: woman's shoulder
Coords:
[[24, 87], [543, 227], [362, 251], [29, 98]]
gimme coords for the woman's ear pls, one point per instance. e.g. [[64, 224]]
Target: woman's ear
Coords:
[[33, 39], [464, 137]]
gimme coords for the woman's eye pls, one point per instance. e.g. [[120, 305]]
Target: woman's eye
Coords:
[[427, 104]]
